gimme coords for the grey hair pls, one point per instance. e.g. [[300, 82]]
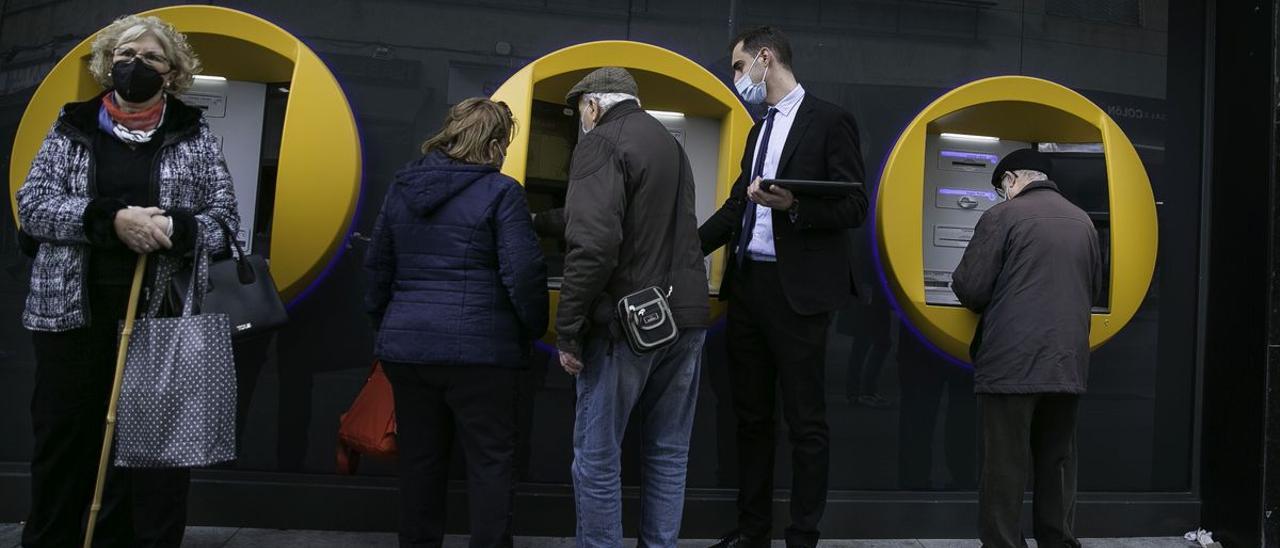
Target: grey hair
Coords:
[[182, 61], [1030, 175], [609, 100]]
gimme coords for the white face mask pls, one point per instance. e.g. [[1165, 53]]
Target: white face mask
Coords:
[[1006, 185], [752, 92], [582, 121]]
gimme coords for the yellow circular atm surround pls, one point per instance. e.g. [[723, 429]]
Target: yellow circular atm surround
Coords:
[[667, 81], [1022, 109], [318, 179]]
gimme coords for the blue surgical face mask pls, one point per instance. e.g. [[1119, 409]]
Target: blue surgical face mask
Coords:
[[752, 92]]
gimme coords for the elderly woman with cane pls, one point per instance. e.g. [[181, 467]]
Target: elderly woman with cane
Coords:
[[131, 172]]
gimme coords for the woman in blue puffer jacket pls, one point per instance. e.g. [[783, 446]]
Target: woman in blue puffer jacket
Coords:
[[458, 295]]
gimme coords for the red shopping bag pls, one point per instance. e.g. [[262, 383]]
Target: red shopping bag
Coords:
[[369, 426]]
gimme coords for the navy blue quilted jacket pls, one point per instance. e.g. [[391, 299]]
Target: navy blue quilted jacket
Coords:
[[457, 275]]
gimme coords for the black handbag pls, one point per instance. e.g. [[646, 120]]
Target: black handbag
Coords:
[[647, 321], [241, 287]]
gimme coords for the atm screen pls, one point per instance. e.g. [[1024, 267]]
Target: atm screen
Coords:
[[552, 136], [1082, 178]]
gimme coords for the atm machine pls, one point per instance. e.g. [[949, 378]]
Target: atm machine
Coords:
[[700, 137], [696, 107], [958, 192], [235, 112], [936, 185], [554, 132]]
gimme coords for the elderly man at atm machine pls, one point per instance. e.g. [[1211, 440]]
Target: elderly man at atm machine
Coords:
[[631, 238], [789, 268], [1033, 271]]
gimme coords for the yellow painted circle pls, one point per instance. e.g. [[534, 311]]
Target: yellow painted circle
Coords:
[[1022, 109], [667, 81], [318, 179]]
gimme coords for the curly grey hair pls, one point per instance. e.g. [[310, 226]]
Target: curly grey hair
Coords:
[[126, 29], [1031, 175], [608, 100]]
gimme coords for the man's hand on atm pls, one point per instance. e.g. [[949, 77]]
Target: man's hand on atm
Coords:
[[775, 197], [549, 223]]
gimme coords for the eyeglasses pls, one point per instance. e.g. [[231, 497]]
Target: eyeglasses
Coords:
[[149, 57]]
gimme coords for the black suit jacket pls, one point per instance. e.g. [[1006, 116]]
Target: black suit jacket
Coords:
[[815, 259]]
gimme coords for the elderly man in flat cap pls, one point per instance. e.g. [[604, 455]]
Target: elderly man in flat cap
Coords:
[[1033, 270], [629, 225]]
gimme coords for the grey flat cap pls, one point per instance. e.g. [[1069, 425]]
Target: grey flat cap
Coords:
[[603, 80]]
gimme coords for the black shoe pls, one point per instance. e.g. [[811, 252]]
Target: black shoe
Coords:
[[738, 540], [874, 401]]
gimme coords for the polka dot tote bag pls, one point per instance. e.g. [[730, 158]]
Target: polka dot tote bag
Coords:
[[178, 400]]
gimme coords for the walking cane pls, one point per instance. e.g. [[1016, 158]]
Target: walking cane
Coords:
[[110, 434]]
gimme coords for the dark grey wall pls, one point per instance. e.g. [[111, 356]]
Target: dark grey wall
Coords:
[[883, 60]]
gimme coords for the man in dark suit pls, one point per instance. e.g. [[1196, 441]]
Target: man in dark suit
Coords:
[[789, 268]]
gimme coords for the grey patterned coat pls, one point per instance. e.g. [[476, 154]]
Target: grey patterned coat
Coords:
[[58, 198]]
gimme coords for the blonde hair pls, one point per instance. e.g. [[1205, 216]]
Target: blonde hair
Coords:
[[469, 127], [182, 61]]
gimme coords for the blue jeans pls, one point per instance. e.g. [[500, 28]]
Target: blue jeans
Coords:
[[663, 387]]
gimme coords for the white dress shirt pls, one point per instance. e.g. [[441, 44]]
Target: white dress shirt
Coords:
[[761, 246]]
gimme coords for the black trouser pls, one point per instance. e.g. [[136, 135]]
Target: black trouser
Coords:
[[771, 346], [479, 403], [74, 372], [1021, 434]]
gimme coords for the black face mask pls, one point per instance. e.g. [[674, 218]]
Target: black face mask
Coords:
[[136, 81]]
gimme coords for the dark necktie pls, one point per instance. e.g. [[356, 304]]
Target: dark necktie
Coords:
[[757, 169]]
